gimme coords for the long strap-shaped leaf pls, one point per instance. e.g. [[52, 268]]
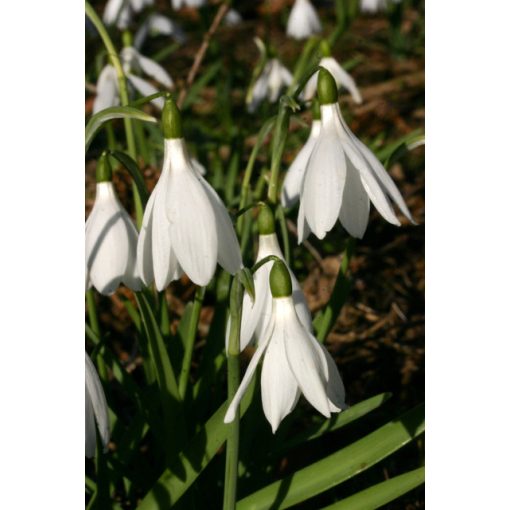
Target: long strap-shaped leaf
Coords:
[[382, 493], [338, 467], [193, 459], [170, 398]]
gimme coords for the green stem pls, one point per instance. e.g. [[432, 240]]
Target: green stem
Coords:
[[190, 340], [233, 381], [280, 216], [123, 92], [91, 307]]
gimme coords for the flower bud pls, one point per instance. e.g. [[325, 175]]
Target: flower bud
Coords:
[[326, 87], [171, 119], [279, 280], [104, 168], [265, 221]]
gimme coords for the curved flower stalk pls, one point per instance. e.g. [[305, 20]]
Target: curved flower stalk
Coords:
[[186, 227], [96, 410], [343, 176], [256, 315], [132, 61], [303, 20], [120, 12], [294, 177], [341, 76], [157, 24], [110, 238], [178, 4], [274, 77], [294, 361]]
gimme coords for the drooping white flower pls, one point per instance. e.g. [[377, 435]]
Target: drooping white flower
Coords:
[[177, 4], [120, 12], [343, 176], [95, 407], [256, 315], [303, 20], [341, 76], [233, 18], [186, 227], [372, 6], [132, 62], [110, 239], [274, 77], [157, 24], [294, 362], [294, 177]]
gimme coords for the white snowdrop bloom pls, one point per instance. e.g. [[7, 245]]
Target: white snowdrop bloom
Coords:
[[294, 177], [157, 24], [96, 410], [110, 239], [107, 94], [186, 227], [274, 77], [341, 76], [372, 6], [120, 12], [256, 315], [232, 18], [303, 20], [294, 362], [177, 4], [343, 176]]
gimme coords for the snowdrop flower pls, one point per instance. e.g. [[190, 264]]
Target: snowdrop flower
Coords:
[[303, 20], [342, 176], [95, 406], [256, 315], [233, 18], [107, 94], [294, 177], [157, 24], [110, 238], [177, 4], [341, 76], [186, 227], [274, 77], [294, 361], [372, 6], [120, 12]]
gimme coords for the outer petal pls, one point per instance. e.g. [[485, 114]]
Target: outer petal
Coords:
[[111, 11], [193, 231], [154, 70], [304, 360], [229, 251], [335, 389], [144, 258], [278, 385], [250, 371], [294, 178], [107, 91], [97, 400], [146, 89], [342, 77], [355, 204], [323, 184], [303, 20], [302, 226]]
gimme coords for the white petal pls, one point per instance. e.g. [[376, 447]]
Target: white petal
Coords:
[[233, 18], [111, 11], [193, 231], [304, 360], [342, 77], [144, 259], [107, 90], [250, 371], [323, 183], [229, 251], [355, 204], [198, 167], [259, 92], [303, 20], [278, 385], [294, 178], [302, 226], [97, 400], [146, 89], [335, 389], [154, 70]]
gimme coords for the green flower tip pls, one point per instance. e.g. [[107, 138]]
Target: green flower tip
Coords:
[[171, 119], [265, 220], [127, 38], [326, 87], [325, 48], [104, 168], [279, 280], [316, 110]]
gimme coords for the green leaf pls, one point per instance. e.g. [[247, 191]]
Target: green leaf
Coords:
[[115, 112], [193, 459], [382, 493], [340, 466], [132, 167], [338, 421]]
